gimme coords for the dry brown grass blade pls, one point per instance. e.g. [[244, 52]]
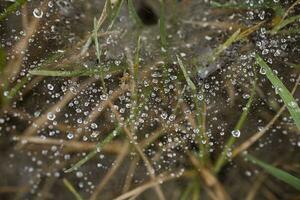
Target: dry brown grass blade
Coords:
[[290, 9], [137, 191], [45, 190], [41, 121], [256, 136], [130, 173], [71, 146], [54, 167], [189, 115], [117, 163], [250, 30], [209, 179], [15, 64], [98, 110], [100, 22], [255, 188], [138, 149], [215, 24], [10, 189], [230, 91], [24, 17]]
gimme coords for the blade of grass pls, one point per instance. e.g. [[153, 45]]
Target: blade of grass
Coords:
[[100, 145], [162, 25], [13, 92], [109, 10], [283, 18], [115, 13], [294, 65], [96, 41], [137, 60], [192, 86], [283, 92], [267, 4], [186, 76], [236, 36], [12, 8], [72, 189], [188, 190], [76, 73], [256, 136], [133, 13], [2, 60], [100, 22], [2, 66], [277, 173], [233, 38], [134, 83], [41, 72], [98, 50], [284, 23], [232, 5], [222, 157]]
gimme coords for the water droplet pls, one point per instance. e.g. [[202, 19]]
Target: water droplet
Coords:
[[50, 86], [50, 4], [37, 13], [51, 116], [292, 104], [36, 113], [164, 115], [94, 126], [246, 96], [262, 71], [70, 135], [79, 174], [236, 133], [278, 90]]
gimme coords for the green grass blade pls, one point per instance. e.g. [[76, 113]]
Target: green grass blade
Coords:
[[115, 13], [2, 60], [211, 57], [137, 60], [96, 41], [203, 154], [13, 91], [75, 73], [222, 157], [278, 173], [12, 8], [283, 92], [267, 4], [109, 10], [2, 81], [98, 50], [285, 23], [59, 73], [100, 145], [162, 25], [233, 38], [133, 13], [72, 189], [186, 76], [294, 65], [230, 5]]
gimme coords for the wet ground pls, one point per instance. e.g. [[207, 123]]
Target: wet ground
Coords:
[[163, 85]]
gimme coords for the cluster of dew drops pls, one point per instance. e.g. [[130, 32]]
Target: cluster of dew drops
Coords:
[[273, 47]]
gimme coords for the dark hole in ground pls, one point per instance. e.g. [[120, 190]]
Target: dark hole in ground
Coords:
[[147, 14]]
